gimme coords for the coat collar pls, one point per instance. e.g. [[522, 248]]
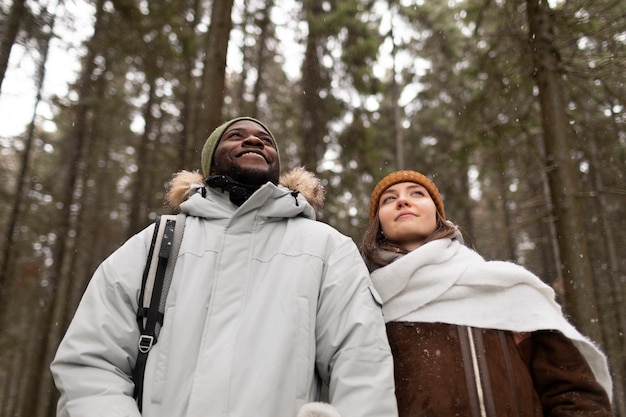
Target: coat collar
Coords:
[[303, 187]]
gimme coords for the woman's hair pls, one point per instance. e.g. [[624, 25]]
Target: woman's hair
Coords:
[[374, 241]]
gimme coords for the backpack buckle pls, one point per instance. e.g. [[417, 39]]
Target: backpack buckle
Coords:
[[145, 343]]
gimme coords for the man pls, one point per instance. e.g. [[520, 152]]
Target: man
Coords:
[[266, 305]]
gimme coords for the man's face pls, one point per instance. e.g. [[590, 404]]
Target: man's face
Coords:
[[247, 153]]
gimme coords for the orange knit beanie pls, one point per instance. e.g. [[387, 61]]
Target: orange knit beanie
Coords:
[[406, 176]]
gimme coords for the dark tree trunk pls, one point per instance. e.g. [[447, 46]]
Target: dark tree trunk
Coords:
[[262, 53], [54, 312], [559, 145], [313, 123], [139, 203], [11, 27], [211, 101]]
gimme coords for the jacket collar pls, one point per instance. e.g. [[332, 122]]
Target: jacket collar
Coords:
[[303, 188], [268, 202]]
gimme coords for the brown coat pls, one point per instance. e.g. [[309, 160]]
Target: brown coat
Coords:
[[522, 375]]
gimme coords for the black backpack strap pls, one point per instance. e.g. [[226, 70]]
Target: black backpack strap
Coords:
[[177, 238], [157, 277]]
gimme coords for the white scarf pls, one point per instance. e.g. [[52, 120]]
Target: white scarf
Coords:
[[443, 281]]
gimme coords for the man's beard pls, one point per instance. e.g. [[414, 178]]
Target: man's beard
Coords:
[[247, 175]]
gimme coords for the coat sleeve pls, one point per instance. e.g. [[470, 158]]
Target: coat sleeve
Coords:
[[93, 364], [564, 381], [353, 355]]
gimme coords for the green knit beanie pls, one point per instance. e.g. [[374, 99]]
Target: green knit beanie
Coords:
[[214, 138]]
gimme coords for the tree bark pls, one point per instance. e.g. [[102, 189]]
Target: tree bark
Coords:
[[559, 144]]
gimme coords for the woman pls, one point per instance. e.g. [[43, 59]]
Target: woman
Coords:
[[471, 337]]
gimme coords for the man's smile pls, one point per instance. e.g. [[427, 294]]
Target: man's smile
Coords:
[[252, 154]]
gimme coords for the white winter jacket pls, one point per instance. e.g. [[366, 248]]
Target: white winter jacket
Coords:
[[264, 306]]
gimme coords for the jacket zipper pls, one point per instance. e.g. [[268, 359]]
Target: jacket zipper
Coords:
[[483, 368], [476, 372], [472, 377]]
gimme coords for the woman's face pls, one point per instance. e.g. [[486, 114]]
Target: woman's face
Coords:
[[407, 215]]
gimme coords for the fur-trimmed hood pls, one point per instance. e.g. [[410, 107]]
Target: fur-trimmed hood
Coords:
[[186, 183]]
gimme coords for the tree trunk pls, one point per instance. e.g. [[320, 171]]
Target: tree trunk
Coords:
[[61, 283], [139, 204], [187, 113], [552, 257], [212, 90], [262, 53], [313, 121], [562, 174], [11, 27], [501, 182], [24, 391], [396, 110], [10, 33], [12, 384], [610, 290]]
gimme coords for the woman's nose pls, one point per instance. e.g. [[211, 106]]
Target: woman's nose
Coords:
[[402, 201]]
